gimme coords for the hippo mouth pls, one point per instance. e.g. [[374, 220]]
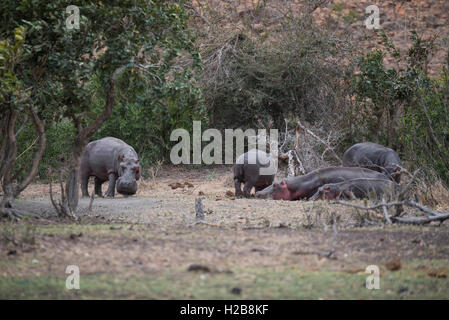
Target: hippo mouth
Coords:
[[126, 188], [126, 193], [265, 193]]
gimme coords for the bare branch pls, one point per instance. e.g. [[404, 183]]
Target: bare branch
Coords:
[[432, 215], [387, 217], [40, 131], [328, 147], [415, 220]]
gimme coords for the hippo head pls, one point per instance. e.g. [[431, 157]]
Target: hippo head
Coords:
[[328, 192], [277, 191], [129, 171], [394, 171]]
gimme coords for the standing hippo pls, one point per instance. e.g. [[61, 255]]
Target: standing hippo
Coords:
[[304, 187], [110, 159], [375, 157], [359, 188], [247, 170]]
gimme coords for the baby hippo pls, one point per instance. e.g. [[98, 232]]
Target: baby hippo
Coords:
[[254, 169], [359, 188]]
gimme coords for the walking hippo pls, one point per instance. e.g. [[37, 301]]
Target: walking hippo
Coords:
[[304, 187], [110, 159], [375, 157], [359, 188], [247, 170]]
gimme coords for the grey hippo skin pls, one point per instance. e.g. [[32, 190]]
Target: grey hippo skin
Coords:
[[359, 188], [375, 157], [110, 159], [304, 187], [247, 171]]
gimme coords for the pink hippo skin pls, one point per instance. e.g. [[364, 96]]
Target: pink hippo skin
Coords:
[[304, 187]]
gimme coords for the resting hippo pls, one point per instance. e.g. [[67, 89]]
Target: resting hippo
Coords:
[[306, 186], [247, 170], [375, 157], [359, 188], [110, 159]]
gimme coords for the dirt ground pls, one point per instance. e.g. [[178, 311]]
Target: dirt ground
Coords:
[[153, 236]]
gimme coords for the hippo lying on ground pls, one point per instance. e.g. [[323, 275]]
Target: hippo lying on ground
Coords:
[[359, 188], [375, 157], [110, 159], [247, 170], [304, 187]]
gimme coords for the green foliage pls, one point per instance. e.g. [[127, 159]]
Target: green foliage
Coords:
[[425, 126], [11, 88], [380, 91], [59, 147], [405, 108], [147, 120], [68, 71]]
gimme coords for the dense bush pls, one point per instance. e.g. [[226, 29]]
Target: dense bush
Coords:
[[297, 71], [145, 47], [146, 121], [293, 69], [403, 107], [59, 147]]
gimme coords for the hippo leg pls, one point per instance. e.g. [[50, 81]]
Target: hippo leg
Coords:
[[247, 189], [238, 188], [98, 184], [111, 189], [84, 182]]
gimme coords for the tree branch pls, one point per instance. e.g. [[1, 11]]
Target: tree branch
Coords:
[[328, 147], [110, 99], [40, 131]]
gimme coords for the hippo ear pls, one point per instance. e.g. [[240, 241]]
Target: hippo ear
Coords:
[[120, 157], [283, 183], [327, 189], [397, 171]]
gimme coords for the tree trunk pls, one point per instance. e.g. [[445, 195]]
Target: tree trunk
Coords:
[[72, 182], [82, 138], [9, 157]]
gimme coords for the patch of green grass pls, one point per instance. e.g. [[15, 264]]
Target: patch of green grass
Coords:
[[338, 7], [351, 17], [256, 283]]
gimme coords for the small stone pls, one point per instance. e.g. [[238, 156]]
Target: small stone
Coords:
[[437, 273], [229, 194], [394, 265], [236, 290], [402, 290], [198, 267]]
